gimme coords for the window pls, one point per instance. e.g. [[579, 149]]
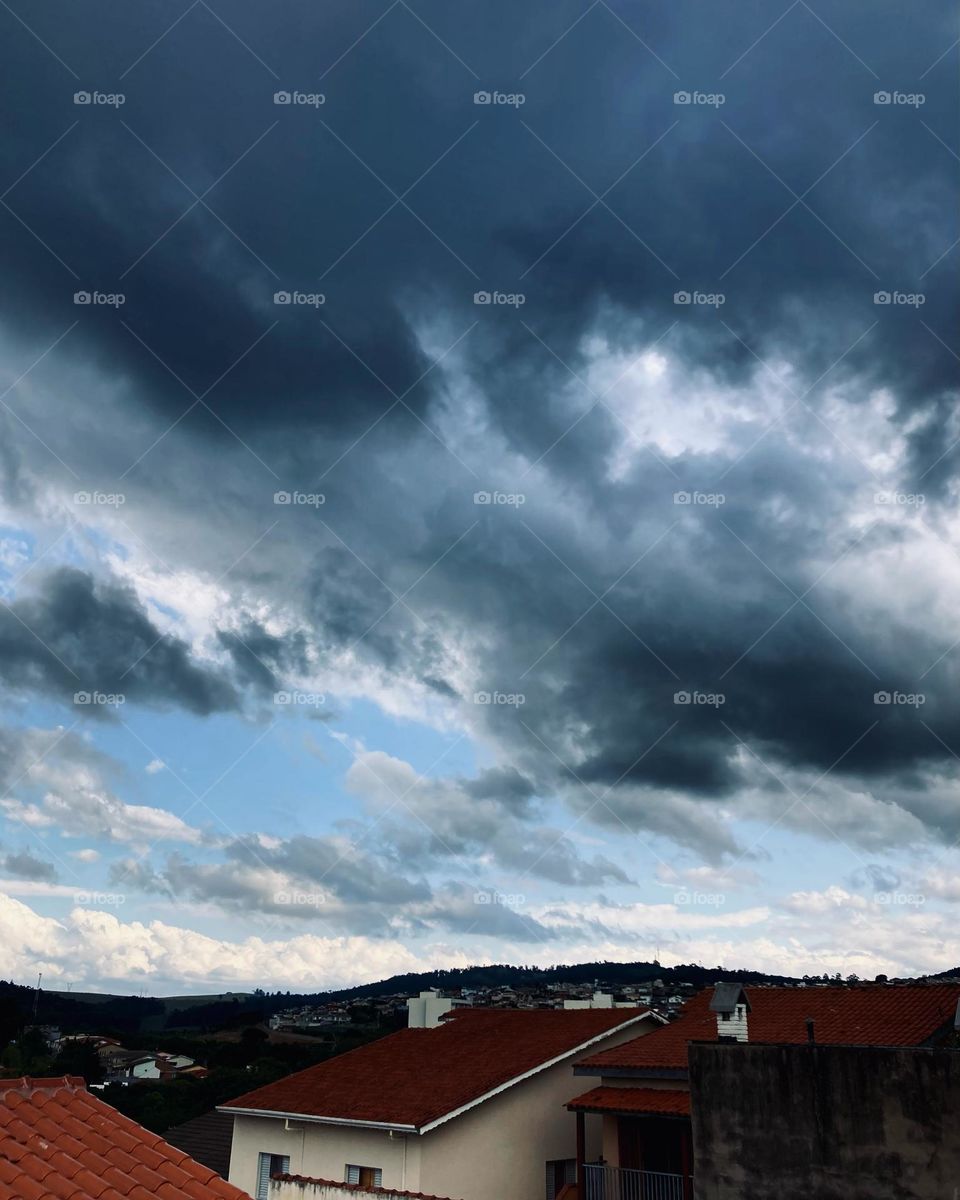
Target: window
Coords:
[[560, 1172], [365, 1176], [269, 1165], [725, 1016]]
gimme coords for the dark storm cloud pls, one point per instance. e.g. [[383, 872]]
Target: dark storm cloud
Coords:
[[73, 635], [685, 217], [716, 199]]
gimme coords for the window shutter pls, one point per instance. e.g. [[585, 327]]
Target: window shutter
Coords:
[[263, 1177], [378, 1178], [353, 1174]]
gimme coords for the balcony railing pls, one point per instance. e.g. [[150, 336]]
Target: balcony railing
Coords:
[[620, 1183]]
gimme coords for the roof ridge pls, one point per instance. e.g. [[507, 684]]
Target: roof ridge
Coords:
[[29, 1083]]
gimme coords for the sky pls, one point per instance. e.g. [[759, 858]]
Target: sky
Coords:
[[478, 483]]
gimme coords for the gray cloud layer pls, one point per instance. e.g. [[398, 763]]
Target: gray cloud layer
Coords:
[[601, 597]]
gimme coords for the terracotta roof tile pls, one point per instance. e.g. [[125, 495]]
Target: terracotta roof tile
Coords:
[[856, 1016], [58, 1142], [419, 1075], [664, 1102]]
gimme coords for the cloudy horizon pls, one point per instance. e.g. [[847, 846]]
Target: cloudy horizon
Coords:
[[479, 484]]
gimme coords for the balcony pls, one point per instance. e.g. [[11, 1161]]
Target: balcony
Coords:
[[619, 1183]]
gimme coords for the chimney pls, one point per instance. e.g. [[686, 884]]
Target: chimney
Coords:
[[730, 1003], [809, 1024]]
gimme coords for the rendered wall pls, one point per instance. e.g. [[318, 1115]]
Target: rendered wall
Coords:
[[825, 1122], [496, 1151]]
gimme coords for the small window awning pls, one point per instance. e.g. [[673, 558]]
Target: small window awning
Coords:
[[628, 1101]]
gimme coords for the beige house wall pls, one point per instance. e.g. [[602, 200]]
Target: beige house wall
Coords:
[[495, 1151]]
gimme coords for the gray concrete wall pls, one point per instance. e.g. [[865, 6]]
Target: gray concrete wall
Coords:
[[825, 1123]]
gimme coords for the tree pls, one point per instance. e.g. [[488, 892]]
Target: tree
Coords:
[[79, 1058]]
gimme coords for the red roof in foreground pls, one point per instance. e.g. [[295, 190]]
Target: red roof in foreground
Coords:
[[663, 1102], [853, 1016], [58, 1142], [416, 1076]]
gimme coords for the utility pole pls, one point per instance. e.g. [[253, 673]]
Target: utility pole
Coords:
[[36, 997]]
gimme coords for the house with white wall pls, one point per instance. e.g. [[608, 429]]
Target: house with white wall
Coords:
[[470, 1107]]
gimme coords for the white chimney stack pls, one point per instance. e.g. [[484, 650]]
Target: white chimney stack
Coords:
[[730, 1003]]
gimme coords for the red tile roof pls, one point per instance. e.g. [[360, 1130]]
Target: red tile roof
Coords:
[[58, 1142], [418, 1076], [663, 1102], [853, 1016]]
